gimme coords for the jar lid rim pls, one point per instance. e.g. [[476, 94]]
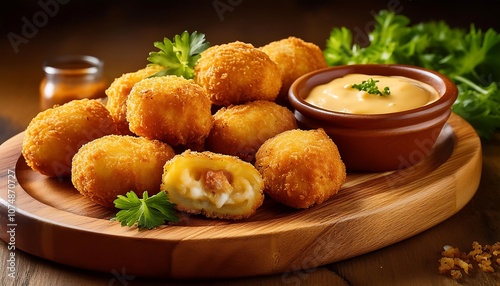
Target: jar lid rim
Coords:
[[94, 65]]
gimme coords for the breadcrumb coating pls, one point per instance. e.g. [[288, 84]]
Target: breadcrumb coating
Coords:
[[294, 57], [170, 109], [240, 130], [237, 72], [54, 136], [118, 93], [300, 168], [116, 164]]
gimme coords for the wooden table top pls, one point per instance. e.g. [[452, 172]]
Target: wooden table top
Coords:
[[122, 34]]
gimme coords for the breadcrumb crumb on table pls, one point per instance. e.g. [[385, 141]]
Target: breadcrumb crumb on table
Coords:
[[454, 261], [446, 264], [456, 274], [463, 264]]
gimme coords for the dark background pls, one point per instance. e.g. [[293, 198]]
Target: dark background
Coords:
[[128, 26], [122, 33]]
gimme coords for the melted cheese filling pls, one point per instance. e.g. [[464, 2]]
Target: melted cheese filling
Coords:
[[215, 186]]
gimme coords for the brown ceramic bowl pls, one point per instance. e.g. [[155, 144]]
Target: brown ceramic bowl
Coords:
[[377, 142]]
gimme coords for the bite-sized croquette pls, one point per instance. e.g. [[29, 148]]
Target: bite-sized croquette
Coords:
[[237, 72], [118, 93], [294, 58], [171, 109], [116, 164], [301, 168], [55, 135], [215, 185], [240, 130]]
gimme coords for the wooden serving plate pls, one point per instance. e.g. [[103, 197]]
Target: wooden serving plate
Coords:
[[53, 221]]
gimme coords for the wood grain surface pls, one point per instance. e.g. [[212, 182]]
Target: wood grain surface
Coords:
[[370, 212]]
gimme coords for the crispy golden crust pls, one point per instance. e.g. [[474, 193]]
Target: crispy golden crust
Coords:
[[116, 164], [118, 93], [240, 130], [215, 185], [237, 72], [294, 57], [56, 134], [171, 109], [301, 168]]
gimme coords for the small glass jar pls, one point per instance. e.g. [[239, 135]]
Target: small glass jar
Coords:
[[71, 77]]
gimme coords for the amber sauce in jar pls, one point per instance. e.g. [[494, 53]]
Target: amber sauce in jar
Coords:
[[71, 77]]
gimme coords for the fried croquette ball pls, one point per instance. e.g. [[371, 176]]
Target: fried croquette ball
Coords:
[[54, 136], [237, 72], [116, 164], [240, 130], [171, 109], [301, 168], [118, 93], [294, 58], [215, 185]]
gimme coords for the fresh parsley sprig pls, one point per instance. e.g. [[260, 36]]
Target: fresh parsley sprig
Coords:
[[179, 57], [148, 212], [370, 86]]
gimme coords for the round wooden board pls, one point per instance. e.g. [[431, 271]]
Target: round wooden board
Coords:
[[52, 220]]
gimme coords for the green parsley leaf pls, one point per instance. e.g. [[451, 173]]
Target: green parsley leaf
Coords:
[[148, 212], [371, 87], [179, 57]]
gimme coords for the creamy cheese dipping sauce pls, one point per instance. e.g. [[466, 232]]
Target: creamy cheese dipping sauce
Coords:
[[339, 95]]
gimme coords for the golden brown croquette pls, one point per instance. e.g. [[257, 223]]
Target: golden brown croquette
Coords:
[[116, 164], [170, 109], [56, 134], [301, 168], [237, 72], [240, 130], [215, 185], [294, 58], [118, 92]]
